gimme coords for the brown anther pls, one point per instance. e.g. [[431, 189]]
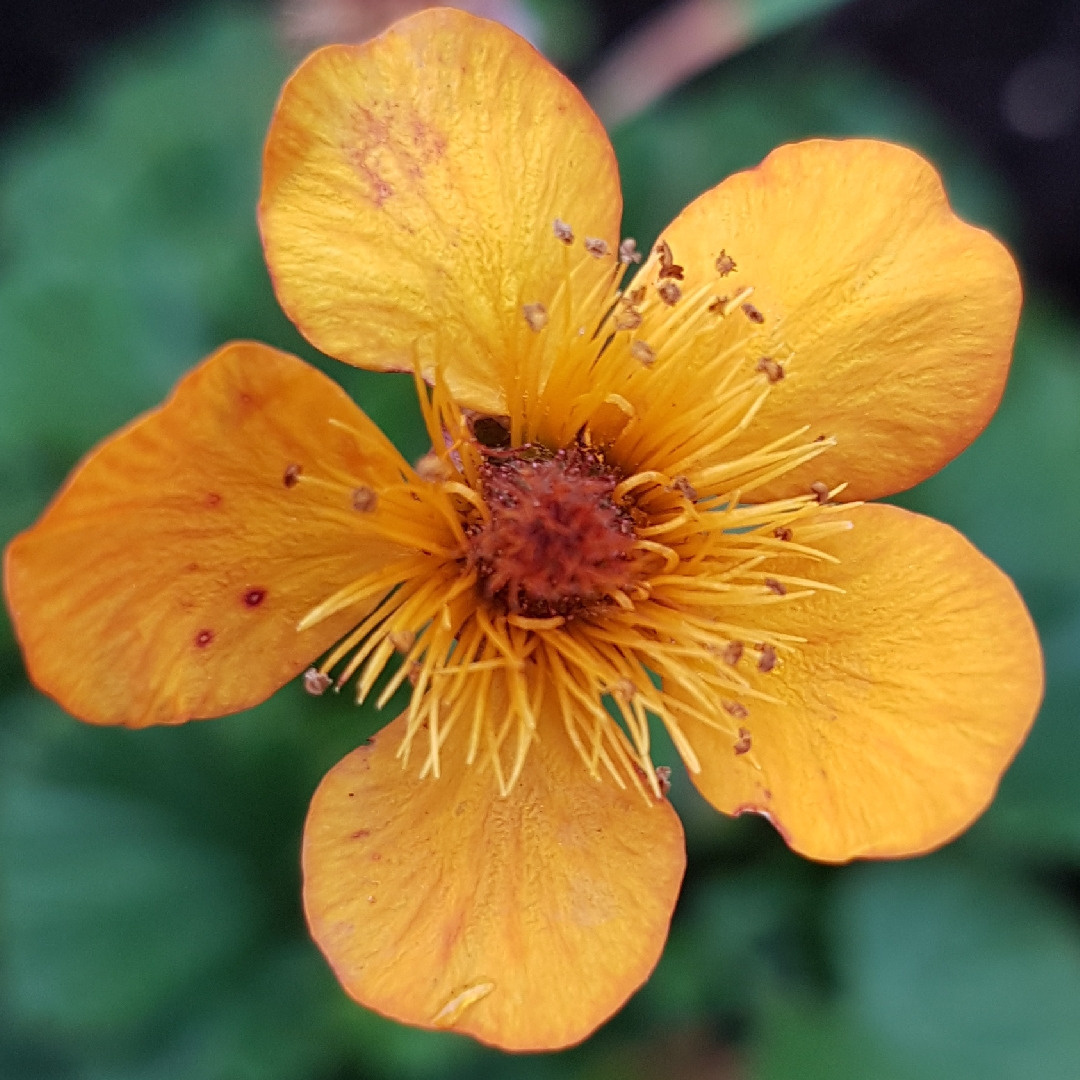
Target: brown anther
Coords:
[[643, 353], [820, 490], [771, 368], [753, 314], [732, 653], [685, 488], [364, 499], [627, 319], [562, 231], [767, 659], [669, 292], [491, 431], [718, 304], [431, 467], [781, 532], [414, 673], [736, 709], [628, 252], [636, 296], [316, 682], [775, 586], [536, 315], [744, 743], [596, 247], [724, 263], [663, 778], [669, 268], [292, 476], [623, 690], [401, 640]]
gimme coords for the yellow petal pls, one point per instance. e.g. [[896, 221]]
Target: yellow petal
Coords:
[[524, 921], [914, 690], [893, 320], [410, 189], [166, 580]]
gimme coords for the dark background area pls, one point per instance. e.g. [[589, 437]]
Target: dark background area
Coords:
[[1012, 87]]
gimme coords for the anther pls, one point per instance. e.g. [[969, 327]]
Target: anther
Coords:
[[724, 263], [668, 267], [767, 659], [623, 690], [642, 352], [732, 653], [401, 640], [563, 231], [292, 476], [663, 778], [685, 488], [753, 314], [771, 368], [744, 743], [781, 532], [669, 292], [820, 490], [627, 319], [536, 315], [628, 252], [775, 586], [432, 468], [414, 673], [364, 499], [596, 247], [316, 682], [736, 709], [492, 431], [718, 304]]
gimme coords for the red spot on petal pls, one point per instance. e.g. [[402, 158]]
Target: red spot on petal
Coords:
[[360, 834], [254, 597], [203, 638], [213, 499]]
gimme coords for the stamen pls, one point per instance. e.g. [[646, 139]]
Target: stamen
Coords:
[[536, 315]]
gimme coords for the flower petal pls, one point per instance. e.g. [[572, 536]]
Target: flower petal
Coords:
[[914, 690], [524, 921], [166, 580], [410, 188], [894, 320]]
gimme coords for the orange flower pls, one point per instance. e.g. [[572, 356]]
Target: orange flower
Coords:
[[630, 514]]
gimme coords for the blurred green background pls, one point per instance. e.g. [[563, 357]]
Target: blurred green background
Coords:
[[150, 925]]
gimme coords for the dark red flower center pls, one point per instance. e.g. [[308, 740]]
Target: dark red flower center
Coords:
[[556, 543]]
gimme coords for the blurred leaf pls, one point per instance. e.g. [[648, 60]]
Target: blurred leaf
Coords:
[[961, 976], [731, 118]]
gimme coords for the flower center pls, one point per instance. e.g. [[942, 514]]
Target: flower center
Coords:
[[556, 543]]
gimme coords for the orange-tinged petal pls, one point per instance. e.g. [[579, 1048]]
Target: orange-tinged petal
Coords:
[[913, 691], [166, 580], [410, 187], [524, 921], [892, 318]]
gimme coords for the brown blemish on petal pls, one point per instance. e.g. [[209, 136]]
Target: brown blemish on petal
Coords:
[[254, 597], [292, 475], [744, 743], [360, 834], [736, 709], [753, 314], [203, 638], [213, 499]]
